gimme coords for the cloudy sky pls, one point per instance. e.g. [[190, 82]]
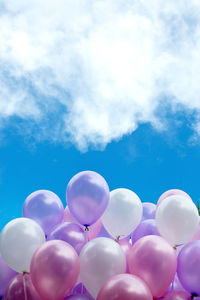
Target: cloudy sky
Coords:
[[107, 85]]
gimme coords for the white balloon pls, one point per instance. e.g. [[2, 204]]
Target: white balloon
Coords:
[[18, 241], [100, 259], [123, 213], [177, 219]]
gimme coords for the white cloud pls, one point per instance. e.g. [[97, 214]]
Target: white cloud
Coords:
[[105, 65]]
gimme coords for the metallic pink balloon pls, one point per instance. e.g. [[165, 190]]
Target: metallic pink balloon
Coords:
[[126, 246], [93, 230], [21, 288], [177, 295], [124, 287], [171, 193], [154, 260], [6, 274], [54, 269]]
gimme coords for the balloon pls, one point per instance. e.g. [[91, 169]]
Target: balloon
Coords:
[[21, 288], [78, 297], [196, 236], [93, 230], [149, 210], [104, 233], [146, 227], [54, 270], [100, 259], [177, 295], [45, 208], [172, 193], [6, 274], [18, 241], [154, 260], [126, 246], [177, 219], [87, 197], [80, 289], [71, 233], [123, 214], [189, 267], [125, 287], [175, 285]]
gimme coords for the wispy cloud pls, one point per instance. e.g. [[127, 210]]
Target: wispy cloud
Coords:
[[92, 71]]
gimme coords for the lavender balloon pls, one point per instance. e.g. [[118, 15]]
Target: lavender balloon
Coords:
[[71, 233], [177, 295], [149, 210], [44, 207], [80, 289], [6, 274], [87, 197], [189, 267], [78, 297], [21, 288], [146, 227], [104, 233], [175, 285]]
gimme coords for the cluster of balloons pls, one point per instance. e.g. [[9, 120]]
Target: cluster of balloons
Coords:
[[104, 245]]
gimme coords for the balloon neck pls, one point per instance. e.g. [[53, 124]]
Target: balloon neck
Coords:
[[24, 272], [176, 246], [117, 238], [86, 228]]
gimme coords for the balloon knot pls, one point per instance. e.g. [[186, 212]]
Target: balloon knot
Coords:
[[86, 228], [117, 238], [24, 272]]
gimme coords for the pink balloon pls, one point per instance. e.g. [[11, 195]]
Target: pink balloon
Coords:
[[21, 288], [154, 260], [171, 193], [124, 287], [126, 246], [177, 295], [93, 230], [54, 269]]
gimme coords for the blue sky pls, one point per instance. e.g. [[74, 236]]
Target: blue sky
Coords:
[[146, 161], [108, 86]]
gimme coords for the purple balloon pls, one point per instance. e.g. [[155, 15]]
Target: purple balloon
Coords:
[[177, 295], [175, 286], [21, 288], [103, 233], [6, 274], [87, 197], [71, 233], [45, 208], [149, 210], [78, 297], [146, 227], [189, 267], [80, 289]]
